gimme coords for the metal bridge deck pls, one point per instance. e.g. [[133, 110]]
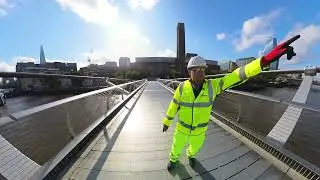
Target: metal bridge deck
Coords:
[[136, 148]]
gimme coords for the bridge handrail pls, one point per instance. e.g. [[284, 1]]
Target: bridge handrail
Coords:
[[39, 75], [66, 100], [54, 166], [273, 99], [288, 71]]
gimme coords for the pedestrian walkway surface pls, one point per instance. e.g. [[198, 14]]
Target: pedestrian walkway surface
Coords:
[[134, 147]]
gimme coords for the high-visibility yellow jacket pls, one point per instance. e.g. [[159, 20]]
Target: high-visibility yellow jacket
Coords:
[[194, 113]]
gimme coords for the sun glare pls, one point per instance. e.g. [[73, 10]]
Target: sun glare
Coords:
[[125, 39]]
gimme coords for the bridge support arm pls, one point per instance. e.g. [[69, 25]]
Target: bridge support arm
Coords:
[[121, 89]]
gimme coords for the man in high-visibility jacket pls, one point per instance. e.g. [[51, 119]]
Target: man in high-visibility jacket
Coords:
[[193, 99]]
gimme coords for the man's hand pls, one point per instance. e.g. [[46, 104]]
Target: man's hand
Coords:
[[280, 50], [165, 128]]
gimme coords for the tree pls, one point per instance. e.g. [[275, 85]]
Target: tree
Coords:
[[173, 73], [133, 75], [120, 74]]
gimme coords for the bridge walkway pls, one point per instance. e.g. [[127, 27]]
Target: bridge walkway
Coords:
[[134, 147]]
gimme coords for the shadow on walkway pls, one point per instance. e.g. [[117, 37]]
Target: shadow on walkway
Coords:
[[110, 143], [181, 172]]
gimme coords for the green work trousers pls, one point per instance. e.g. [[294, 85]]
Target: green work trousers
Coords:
[[180, 140]]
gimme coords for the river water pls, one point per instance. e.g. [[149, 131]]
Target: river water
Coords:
[[21, 103]]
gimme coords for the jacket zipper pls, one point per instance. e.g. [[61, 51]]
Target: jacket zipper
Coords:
[[192, 116], [192, 110]]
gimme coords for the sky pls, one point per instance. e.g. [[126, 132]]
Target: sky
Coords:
[[73, 30]]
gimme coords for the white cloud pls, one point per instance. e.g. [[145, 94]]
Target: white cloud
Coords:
[[167, 53], [310, 36], [145, 4], [121, 38], [4, 6], [256, 31], [101, 12], [4, 67], [11, 65], [221, 36], [126, 39], [4, 3], [3, 12]]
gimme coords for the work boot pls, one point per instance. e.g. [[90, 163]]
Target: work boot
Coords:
[[192, 162], [171, 165]]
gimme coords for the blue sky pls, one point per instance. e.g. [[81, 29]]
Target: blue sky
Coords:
[[70, 30]]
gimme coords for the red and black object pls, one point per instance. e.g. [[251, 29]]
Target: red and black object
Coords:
[[280, 50]]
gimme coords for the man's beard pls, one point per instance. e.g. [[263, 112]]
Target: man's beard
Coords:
[[198, 79]]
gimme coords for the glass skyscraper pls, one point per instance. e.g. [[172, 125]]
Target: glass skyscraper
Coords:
[[272, 43]]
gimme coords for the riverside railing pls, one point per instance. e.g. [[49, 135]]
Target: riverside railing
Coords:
[[38, 141]]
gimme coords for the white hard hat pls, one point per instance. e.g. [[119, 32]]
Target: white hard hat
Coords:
[[197, 61]]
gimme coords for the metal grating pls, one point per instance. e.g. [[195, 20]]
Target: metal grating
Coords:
[[303, 170]]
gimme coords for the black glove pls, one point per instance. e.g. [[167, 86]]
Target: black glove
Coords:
[[165, 128]]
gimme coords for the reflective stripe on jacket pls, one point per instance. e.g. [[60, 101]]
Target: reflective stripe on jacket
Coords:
[[194, 113]]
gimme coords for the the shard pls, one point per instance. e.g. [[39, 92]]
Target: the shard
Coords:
[[42, 57]]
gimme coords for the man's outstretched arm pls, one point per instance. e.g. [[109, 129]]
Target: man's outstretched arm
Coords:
[[255, 67]]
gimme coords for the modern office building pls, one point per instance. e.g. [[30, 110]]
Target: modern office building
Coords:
[[228, 66], [243, 61], [124, 62], [272, 43]]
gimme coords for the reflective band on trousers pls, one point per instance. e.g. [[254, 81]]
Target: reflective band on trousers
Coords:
[[197, 104], [192, 127], [169, 118]]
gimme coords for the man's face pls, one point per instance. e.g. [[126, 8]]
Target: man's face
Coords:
[[197, 74]]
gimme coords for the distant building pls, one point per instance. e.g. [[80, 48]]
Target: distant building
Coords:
[[154, 66], [90, 70], [42, 56], [108, 69], [46, 67], [213, 67], [181, 50], [243, 61], [189, 56], [228, 66], [111, 64], [272, 43], [21, 67], [124, 62], [49, 68], [211, 62]]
